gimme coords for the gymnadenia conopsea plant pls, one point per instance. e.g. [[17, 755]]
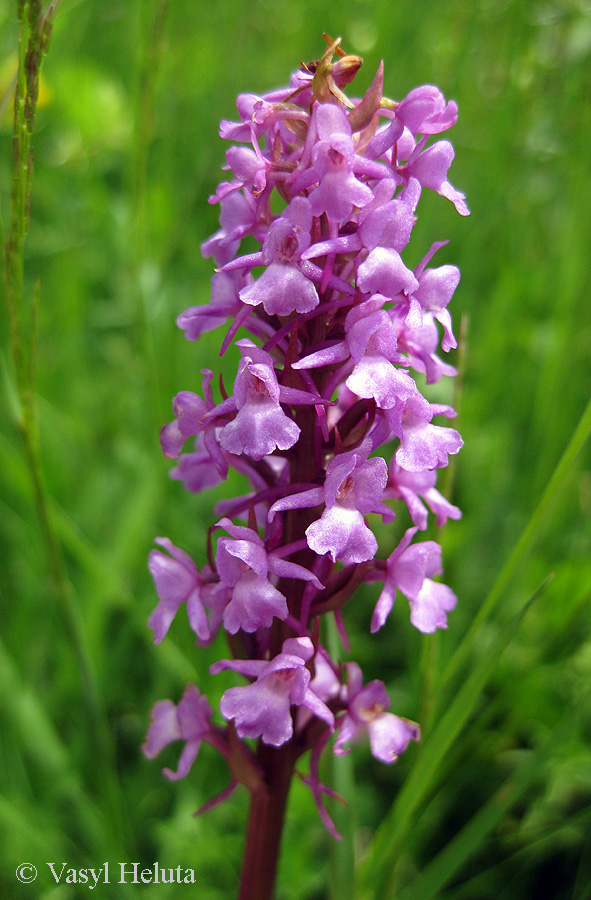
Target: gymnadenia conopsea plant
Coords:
[[326, 423]]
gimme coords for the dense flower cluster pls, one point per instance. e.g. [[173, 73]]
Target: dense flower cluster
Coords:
[[328, 189]]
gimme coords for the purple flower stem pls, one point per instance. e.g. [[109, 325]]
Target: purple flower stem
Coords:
[[265, 822], [267, 807]]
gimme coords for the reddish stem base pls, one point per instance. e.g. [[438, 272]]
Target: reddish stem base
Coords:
[[265, 823]]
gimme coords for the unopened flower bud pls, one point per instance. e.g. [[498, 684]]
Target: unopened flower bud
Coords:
[[345, 69]]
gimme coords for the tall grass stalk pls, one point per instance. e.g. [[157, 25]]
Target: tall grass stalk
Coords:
[[523, 545], [376, 870], [429, 661], [441, 869], [34, 33]]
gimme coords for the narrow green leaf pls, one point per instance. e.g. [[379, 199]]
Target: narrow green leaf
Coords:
[[50, 842], [342, 853], [22, 708], [441, 869], [523, 545], [341, 778], [376, 869], [26, 711], [537, 843], [112, 589]]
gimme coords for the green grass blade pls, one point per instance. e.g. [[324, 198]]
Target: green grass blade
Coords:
[[47, 842], [537, 844], [341, 778], [376, 869], [523, 545], [33, 730], [441, 869]]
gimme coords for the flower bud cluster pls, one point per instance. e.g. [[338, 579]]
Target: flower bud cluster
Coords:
[[325, 419]]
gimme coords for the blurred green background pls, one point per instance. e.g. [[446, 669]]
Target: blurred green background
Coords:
[[126, 154]]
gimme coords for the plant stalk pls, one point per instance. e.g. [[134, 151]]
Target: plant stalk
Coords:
[[265, 823], [33, 42], [267, 809]]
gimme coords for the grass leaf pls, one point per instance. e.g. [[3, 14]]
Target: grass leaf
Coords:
[[376, 869]]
